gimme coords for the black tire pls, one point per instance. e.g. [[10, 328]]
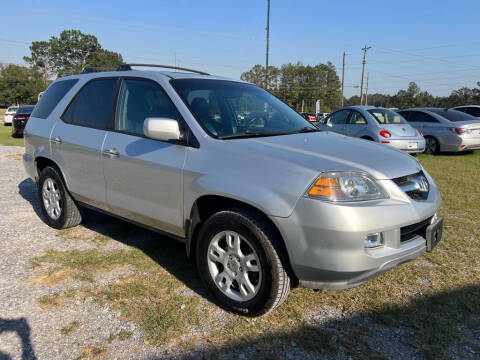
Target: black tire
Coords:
[[367, 138], [432, 146], [70, 215], [275, 283]]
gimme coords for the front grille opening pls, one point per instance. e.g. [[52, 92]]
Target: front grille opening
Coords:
[[411, 231], [406, 183]]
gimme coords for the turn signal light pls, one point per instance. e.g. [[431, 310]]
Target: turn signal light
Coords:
[[420, 132], [385, 134], [327, 187]]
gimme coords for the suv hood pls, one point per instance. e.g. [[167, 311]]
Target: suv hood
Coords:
[[327, 151]]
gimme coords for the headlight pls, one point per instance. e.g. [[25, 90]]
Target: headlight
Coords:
[[346, 186]]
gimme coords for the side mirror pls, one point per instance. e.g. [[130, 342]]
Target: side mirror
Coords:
[[161, 129]]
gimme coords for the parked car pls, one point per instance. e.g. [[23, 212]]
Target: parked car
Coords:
[[8, 116], [260, 207], [20, 119], [376, 124], [321, 117], [445, 130], [473, 110], [309, 116]]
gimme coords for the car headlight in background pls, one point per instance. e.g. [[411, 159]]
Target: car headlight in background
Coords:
[[344, 186]]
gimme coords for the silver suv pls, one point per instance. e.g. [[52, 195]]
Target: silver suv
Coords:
[[263, 202]]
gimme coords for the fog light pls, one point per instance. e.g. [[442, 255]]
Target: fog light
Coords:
[[373, 240]]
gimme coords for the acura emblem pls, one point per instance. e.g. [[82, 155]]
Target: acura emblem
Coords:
[[422, 183]]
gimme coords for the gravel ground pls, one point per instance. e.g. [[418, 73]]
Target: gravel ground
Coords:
[[26, 330]]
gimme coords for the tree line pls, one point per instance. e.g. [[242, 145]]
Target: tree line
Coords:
[[64, 55], [298, 84], [414, 97]]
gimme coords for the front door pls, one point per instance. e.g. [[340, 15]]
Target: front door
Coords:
[[144, 177], [338, 121]]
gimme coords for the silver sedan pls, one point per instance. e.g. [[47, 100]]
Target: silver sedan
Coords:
[[376, 124], [445, 130]]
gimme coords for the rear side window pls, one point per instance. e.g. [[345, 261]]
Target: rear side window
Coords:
[[93, 106], [51, 97], [357, 119], [474, 111]]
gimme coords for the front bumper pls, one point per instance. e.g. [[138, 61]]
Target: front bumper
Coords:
[[412, 145], [325, 241]]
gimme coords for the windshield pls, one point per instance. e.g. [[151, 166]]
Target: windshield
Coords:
[[453, 115], [12, 108], [228, 109], [385, 116]]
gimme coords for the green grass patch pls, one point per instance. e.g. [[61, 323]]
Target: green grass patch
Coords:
[[6, 134], [6, 137]]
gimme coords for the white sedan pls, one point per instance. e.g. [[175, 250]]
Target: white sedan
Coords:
[[8, 116]]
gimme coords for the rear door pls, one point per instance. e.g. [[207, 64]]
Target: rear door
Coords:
[[337, 121], [77, 140], [144, 177]]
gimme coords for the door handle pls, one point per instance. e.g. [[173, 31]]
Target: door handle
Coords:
[[57, 140], [111, 152]]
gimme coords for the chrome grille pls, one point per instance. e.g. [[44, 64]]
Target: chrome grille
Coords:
[[416, 185]]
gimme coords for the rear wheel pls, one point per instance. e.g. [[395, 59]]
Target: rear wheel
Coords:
[[239, 259], [59, 209], [431, 145]]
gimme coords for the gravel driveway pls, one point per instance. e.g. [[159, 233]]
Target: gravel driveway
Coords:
[[26, 330]]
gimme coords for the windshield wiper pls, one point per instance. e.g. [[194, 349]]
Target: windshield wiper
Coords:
[[308, 129], [246, 134]]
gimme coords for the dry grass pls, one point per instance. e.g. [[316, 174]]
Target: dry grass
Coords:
[[49, 302], [93, 352], [432, 296], [70, 328], [17, 156]]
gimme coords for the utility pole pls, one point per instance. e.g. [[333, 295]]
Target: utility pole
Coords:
[[366, 89], [268, 43], [343, 79], [363, 70], [175, 59], [303, 102]]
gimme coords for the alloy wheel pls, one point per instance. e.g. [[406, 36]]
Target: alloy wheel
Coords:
[[431, 145], [52, 199], [234, 266]]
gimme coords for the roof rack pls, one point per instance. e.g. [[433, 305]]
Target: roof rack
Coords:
[[127, 67], [94, 69]]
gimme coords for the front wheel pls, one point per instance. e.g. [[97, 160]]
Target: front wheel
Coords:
[[241, 262], [58, 208]]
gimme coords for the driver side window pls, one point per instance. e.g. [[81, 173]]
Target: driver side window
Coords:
[[338, 118], [138, 100]]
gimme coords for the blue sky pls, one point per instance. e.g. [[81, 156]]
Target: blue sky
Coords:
[[434, 43]]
